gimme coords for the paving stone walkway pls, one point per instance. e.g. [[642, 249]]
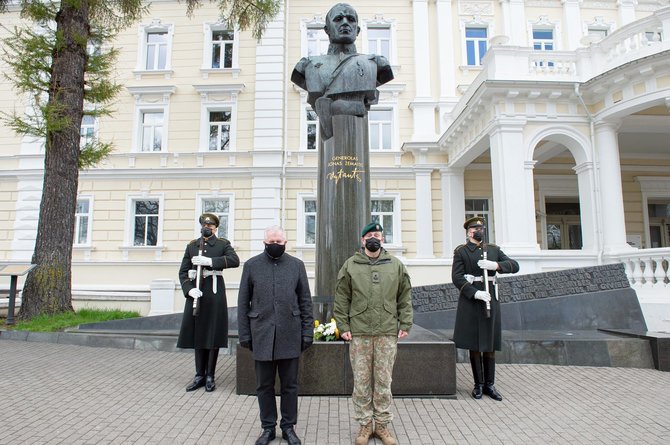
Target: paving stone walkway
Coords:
[[66, 394]]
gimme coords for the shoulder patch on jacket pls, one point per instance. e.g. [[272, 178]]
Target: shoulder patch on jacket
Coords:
[[459, 247]]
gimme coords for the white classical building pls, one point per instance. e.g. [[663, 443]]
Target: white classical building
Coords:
[[551, 118]]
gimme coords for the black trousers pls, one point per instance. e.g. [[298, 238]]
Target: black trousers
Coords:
[[265, 391]]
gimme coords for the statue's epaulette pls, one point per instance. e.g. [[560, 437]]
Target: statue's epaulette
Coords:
[[458, 248]]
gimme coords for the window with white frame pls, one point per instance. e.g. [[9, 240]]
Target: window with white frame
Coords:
[[480, 207], [82, 221], [152, 130], [543, 39], [380, 123], [312, 128], [87, 130], [220, 206], [379, 40], [383, 211], [309, 221], [317, 40], [145, 222], [218, 121], [222, 48], [476, 38], [154, 48], [219, 130], [151, 118]]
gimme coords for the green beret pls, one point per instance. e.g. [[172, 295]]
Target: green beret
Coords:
[[372, 227], [475, 221], [209, 218]]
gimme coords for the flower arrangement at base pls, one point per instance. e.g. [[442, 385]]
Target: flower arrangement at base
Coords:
[[326, 331]]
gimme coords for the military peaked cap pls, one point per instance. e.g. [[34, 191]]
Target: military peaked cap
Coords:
[[475, 221], [209, 218], [372, 227]]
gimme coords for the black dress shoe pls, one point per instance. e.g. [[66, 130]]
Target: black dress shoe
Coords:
[[477, 391], [491, 391], [290, 436], [209, 384], [198, 382], [266, 437]]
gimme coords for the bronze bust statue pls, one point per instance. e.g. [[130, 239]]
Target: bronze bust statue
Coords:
[[342, 81]]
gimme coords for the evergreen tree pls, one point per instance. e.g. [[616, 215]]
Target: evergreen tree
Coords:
[[61, 64]]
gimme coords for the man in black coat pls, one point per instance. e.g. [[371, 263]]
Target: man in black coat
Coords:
[[474, 330], [208, 331], [274, 316]]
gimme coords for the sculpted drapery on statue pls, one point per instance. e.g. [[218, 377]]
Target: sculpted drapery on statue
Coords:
[[341, 86]]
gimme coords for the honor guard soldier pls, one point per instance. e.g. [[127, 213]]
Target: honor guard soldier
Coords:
[[478, 327], [204, 325]]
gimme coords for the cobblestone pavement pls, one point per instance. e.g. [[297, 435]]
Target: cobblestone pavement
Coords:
[[54, 393]]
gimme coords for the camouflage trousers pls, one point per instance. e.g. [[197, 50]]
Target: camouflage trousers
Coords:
[[372, 359]]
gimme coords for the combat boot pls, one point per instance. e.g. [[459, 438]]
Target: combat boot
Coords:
[[364, 434], [382, 431]]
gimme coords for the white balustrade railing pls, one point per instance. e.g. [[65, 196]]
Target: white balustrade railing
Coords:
[[646, 268]]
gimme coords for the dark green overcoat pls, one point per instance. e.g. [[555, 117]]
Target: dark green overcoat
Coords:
[[209, 330], [472, 329]]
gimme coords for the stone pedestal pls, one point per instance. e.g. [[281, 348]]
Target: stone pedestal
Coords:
[[422, 369]]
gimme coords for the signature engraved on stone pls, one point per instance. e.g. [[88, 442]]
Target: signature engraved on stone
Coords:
[[341, 174]]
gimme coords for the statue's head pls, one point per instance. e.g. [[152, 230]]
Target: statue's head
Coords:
[[342, 24]]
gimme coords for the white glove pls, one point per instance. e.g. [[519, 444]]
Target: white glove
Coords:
[[483, 295], [200, 260], [487, 264], [192, 273], [469, 278], [197, 293]]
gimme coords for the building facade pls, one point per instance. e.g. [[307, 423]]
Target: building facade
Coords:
[[551, 118]]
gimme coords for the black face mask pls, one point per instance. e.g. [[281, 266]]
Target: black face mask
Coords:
[[478, 235], [275, 250], [372, 244], [206, 232]]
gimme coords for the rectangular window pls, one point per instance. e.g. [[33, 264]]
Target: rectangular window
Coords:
[[87, 130], [475, 45], [157, 46], [380, 126], [219, 130], [82, 219], [543, 39], [312, 129], [309, 211], [222, 48], [480, 207], [145, 222], [317, 42], [379, 41], [152, 131], [381, 211], [221, 208]]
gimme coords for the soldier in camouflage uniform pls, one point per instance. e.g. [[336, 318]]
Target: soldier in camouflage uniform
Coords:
[[373, 309]]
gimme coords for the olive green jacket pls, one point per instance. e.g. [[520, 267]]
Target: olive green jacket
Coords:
[[373, 296]]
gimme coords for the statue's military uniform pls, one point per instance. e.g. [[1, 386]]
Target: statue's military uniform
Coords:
[[209, 330], [473, 330]]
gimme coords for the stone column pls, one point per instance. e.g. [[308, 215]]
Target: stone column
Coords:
[[612, 220], [513, 198], [514, 20], [424, 212], [423, 107], [626, 11], [587, 205], [453, 208], [573, 23], [343, 198], [445, 44]]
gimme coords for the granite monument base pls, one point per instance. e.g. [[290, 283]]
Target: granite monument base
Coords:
[[422, 369]]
